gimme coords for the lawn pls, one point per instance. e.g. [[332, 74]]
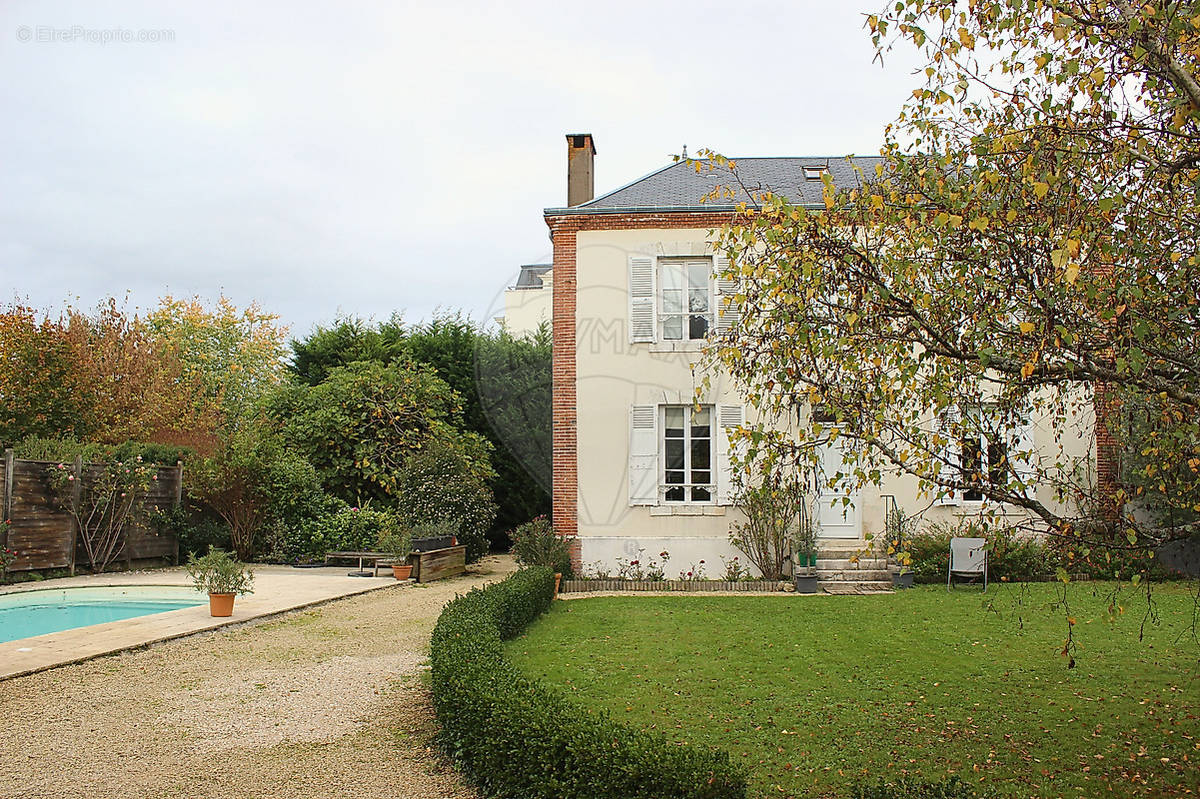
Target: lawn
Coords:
[[815, 693]]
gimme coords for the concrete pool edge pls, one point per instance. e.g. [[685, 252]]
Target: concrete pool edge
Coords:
[[81, 644]]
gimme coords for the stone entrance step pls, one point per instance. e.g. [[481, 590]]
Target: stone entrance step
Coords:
[[856, 586]]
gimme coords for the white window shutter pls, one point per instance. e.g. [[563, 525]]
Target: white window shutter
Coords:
[[642, 299], [729, 417], [951, 451], [729, 311], [643, 455]]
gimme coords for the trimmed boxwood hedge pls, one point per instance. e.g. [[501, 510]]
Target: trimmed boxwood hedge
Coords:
[[513, 736]]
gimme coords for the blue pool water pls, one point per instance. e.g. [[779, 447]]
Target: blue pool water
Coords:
[[28, 613]]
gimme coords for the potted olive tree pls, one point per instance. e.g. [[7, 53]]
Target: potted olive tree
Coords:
[[398, 546], [222, 577]]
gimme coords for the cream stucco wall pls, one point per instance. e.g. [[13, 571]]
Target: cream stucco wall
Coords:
[[614, 374], [527, 309]]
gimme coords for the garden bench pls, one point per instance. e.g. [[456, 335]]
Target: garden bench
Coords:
[[363, 557]]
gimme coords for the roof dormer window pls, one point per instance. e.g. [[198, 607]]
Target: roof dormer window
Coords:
[[814, 172]]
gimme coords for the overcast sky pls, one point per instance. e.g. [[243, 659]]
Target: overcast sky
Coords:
[[364, 158]]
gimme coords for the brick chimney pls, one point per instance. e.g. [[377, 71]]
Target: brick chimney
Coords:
[[581, 154]]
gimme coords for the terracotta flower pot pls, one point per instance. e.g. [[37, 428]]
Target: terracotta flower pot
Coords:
[[221, 604], [402, 572]]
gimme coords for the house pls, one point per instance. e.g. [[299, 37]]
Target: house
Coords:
[[636, 470], [527, 303]]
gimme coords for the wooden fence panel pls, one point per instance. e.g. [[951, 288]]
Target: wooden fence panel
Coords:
[[42, 533], [38, 530]]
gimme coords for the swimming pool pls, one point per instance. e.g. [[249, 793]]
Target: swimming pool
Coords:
[[49, 610]]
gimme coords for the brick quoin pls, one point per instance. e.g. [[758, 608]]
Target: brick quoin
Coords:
[[563, 233]]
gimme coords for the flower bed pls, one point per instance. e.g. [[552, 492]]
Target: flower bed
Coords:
[[579, 585]]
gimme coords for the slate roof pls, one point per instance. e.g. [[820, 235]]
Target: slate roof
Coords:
[[531, 276], [679, 186]]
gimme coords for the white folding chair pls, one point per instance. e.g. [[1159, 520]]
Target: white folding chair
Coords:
[[968, 558]]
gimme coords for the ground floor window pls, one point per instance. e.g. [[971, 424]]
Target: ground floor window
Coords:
[[687, 454]]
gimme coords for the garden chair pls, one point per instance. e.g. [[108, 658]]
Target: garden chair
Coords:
[[968, 558]]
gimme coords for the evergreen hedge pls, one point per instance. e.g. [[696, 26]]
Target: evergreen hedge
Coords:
[[513, 736]]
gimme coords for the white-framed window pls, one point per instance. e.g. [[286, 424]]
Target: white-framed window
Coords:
[[679, 300], [980, 450], [685, 298], [680, 454], [686, 454]]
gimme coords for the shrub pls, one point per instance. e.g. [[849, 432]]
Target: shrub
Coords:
[[65, 449], [536, 544], [352, 529], [439, 529], [1013, 557], [219, 572], [904, 788], [514, 736], [773, 507], [296, 503], [441, 483], [195, 531]]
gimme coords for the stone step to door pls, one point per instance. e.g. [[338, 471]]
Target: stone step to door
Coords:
[[855, 575], [845, 564], [842, 587], [846, 552]]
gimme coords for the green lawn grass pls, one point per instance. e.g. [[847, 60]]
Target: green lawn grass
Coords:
[[815, 693]]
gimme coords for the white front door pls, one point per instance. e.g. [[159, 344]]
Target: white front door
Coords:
[[835, 517]]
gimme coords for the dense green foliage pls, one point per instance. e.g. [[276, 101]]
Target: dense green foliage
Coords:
[[1013, 556], [815, 694], [66, 449], [536, 544], [350, 529], [192, 528], [439, 483], [503, 383], [515, 737], [358, 426]]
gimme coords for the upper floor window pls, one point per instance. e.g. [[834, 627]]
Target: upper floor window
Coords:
[[685, 301]]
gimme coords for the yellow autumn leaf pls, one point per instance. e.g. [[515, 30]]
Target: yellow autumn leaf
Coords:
[[1071, 272], [1027, 327], [1040, 189]]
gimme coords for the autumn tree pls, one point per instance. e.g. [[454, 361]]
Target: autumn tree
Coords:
[[97, 375], [1025, 249], [38, 382], [235, 355]]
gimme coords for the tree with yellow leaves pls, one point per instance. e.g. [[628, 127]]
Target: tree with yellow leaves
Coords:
[[1026, 249]]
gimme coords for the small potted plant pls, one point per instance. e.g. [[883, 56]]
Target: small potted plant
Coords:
[[222, 577], [806, 557], [899, 560], [398, 545]]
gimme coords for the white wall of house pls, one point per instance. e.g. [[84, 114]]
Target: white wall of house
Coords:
[[526, 309], [615, 375]]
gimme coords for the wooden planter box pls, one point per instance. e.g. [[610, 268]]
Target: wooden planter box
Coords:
[[438, 563]]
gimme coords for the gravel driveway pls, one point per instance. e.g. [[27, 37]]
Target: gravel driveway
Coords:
[[326, 702]]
